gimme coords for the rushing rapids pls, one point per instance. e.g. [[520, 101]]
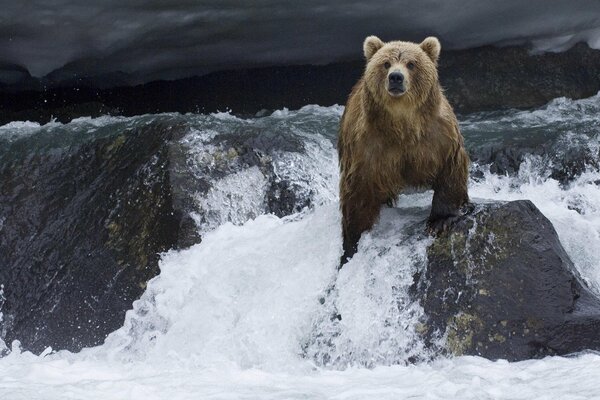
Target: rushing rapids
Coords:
[[247, 309]]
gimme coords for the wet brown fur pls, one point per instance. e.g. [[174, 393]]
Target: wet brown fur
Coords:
[[388, 143]]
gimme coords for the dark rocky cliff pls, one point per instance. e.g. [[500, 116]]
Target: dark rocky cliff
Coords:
[[485, 78]]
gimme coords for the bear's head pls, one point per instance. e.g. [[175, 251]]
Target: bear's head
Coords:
[[401, 72]]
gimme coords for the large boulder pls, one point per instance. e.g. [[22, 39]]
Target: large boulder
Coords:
[[85, 213], [82, 228], [500, 285]]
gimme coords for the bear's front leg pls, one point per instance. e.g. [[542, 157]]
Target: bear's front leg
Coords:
[[359, 213], [450, 193]]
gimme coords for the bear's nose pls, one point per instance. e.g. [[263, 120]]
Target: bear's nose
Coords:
[[396, 77]]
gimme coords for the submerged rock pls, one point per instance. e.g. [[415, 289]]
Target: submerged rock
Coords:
[[564, 164], [500, 285]]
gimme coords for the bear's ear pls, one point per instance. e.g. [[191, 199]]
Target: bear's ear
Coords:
[[371, 45], [432, 47]]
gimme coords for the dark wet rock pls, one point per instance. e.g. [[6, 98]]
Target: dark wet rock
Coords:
[[556, 161], [500, 285], [82, 229], [285, 198], [502, 160], [573, 162], [85, 216]]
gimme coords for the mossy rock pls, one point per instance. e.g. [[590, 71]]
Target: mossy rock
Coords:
[[83, 237], [85, 217], [500, 285]]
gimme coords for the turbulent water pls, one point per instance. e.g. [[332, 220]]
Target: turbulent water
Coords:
[[248, 312]]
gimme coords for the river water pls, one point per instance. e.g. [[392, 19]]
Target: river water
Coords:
[[246, 314]]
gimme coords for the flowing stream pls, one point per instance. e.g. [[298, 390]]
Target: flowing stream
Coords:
[[247, 313]]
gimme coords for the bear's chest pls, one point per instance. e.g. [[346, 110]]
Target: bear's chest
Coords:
[[403, 162]]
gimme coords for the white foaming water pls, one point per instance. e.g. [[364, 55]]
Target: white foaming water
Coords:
[[249, 312], [379, 320], [307, 160], [245, 296], [236, 198]]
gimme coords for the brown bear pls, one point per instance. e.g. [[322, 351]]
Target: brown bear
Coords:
[[398, 131]]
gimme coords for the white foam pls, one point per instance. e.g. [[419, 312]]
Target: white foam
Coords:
[[240, 315], [26, 377], [244, 296], [16, 129], [309, 109], [236, 198], [314, 172], [378, 318]]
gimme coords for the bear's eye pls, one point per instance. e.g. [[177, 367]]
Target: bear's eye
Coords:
[[410, 66], [387, 65]]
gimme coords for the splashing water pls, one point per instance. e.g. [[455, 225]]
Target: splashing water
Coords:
[[250, 312]]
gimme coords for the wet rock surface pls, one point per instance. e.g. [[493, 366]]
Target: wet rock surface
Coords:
[[83, 220], [562, 164], [500, 285], [83, 226]]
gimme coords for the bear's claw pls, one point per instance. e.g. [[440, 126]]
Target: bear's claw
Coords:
[[441, 225]]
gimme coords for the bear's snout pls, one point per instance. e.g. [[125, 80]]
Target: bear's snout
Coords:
[[396, 83], [396, 77]]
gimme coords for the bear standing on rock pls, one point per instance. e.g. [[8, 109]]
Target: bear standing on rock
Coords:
[[398, 130]]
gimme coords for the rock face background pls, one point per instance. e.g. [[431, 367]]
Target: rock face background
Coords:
[[484, 78], [500, 285], [491, 78]]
